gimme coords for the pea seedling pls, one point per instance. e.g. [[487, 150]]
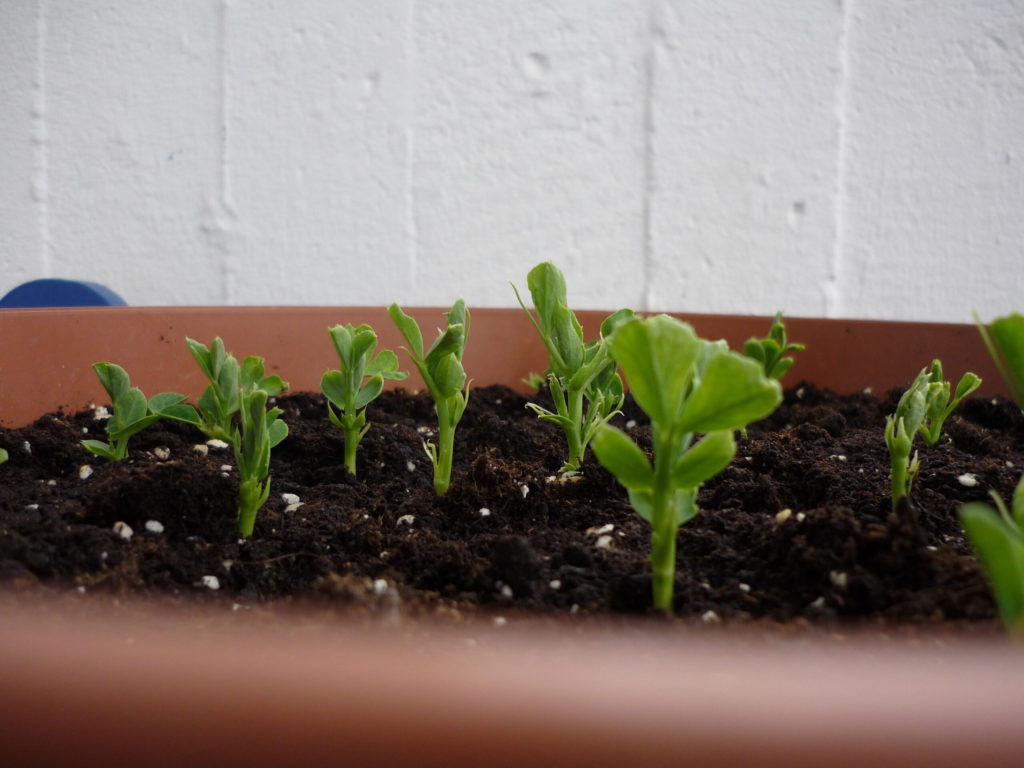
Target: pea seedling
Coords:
[[997, 535], [131, 412], [445, 378], [222, 398], [687, 386], [243, 390], [772, 351], [3, 456], [347, 391], [922, 410], [578, 372], [259, 431]]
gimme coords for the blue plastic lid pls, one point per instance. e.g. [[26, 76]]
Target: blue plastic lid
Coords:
[[51, 292]]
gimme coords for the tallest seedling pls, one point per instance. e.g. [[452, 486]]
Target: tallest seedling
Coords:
[[579, 373], [688, 386]]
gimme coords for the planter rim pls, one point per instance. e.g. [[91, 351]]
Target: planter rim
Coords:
[[45, 362]]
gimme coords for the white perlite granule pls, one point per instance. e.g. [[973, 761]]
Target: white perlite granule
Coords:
[[290, 498], [218, 444], [968, 480], [154, 526], [163, 453], [210, 582], [85, 471], [123, 530], [406, 519]]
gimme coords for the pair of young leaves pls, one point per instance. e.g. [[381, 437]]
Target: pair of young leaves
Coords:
[[687, 386], [347, 389], [132, 412]]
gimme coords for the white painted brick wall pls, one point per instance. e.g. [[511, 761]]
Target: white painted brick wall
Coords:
[[861, 158]]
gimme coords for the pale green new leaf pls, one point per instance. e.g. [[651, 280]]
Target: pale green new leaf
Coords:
[[369, 391], [409, 329], [656, 355], [623, 458], [732, 393], [704, 460], [1001, 551]]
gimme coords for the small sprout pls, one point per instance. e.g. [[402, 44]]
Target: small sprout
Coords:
[[405, 520], [534, 380], [3, 456], [922, 410], [260, 431], [132, 413], [579, 373], [123, 530], [358, 382], [938, 405], [687, 386], [771, 352], [85, 472], [445, 378]]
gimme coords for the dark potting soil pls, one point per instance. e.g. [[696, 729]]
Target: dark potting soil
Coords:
[[798, 529]]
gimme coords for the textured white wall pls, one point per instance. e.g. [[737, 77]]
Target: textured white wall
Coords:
[[861, 158]]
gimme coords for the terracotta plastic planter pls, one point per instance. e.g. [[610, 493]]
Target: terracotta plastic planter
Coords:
[[82, 685]]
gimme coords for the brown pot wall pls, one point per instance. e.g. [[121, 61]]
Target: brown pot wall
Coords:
[[84, 687], [46, 354]]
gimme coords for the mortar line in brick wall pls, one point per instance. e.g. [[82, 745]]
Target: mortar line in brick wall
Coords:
[[41, 142], [832, 289]]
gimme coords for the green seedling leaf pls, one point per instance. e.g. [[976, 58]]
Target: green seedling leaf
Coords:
[[657, 356], [4, 456], [705, 460], [1004, 339], [409, 329], [621, 456], [1000, 548], [733, 392]]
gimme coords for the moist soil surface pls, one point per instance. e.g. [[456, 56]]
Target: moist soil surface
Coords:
[[799, 530]]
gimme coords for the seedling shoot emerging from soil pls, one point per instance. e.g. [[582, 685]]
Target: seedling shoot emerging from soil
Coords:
[[773, 351], [131, 412], [445, 379], [579, 373], [687, 386], [359, 381], [245, 391]]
